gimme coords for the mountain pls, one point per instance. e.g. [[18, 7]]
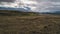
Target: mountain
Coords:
[[29, 10], [54, 12], [17, 9]]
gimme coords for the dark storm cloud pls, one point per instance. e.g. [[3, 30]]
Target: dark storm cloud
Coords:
[[6, 0]]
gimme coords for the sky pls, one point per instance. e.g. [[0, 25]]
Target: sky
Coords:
[[34, 5]]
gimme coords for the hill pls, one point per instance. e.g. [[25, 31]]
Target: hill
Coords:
[[16, 13], [52, 12], [28, 23]]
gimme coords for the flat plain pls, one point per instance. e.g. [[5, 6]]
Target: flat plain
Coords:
[[28, 23]]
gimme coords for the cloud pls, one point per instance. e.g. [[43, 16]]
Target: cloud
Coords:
[[34, 5], [6, 0], [54, 0]]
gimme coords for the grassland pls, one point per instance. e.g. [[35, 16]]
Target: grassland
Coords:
[[28, 23]]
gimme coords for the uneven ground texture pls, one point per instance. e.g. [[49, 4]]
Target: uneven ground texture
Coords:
[[43, 24]]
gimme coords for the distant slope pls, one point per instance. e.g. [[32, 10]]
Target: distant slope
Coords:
[[53, 13], [16, 13]]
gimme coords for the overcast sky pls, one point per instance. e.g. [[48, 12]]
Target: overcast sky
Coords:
[[34, 5]]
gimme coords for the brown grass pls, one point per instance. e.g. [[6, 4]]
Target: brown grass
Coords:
[[30, 24], [41, 24]]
